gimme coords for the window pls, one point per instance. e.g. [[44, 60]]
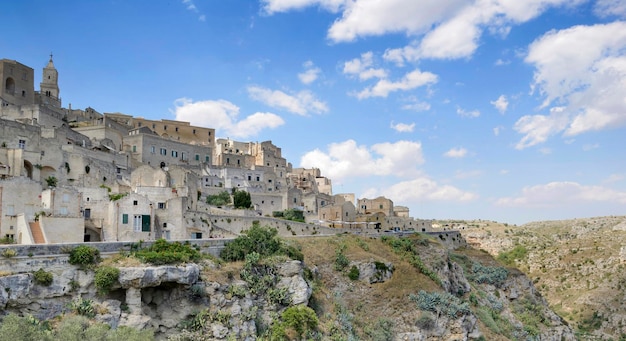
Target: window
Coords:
[[153, 126], [206, 158], [141, 223], [134, 149], [124, 218], [183, 156], [153, 149], [227, 160], [197, 157], [380, 206], [174, 153], [249, 177], [238, 162], [194, 131], [164, 225], [164, 127], [258, 178], [176, 128], [21, 144], [163, 151], [135, 202], [10, 236], [87, 213], [161, 205], [196, 235]]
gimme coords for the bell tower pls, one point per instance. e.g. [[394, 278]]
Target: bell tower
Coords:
[[49, 86]]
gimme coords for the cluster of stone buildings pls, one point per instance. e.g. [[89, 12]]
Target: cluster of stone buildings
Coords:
[[74, 175]]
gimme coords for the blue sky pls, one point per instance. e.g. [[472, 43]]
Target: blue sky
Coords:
[[503, 110]]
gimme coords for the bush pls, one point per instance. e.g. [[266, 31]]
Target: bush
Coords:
[[43, 277], [381, 331], [220, 199], [440, 303], [83, 307], [7, 240], [262, 240], [341, 261], [300, 319], [84, 256], [164, 252], [241, 199], [354, 273], [105, 278], [426, 321]]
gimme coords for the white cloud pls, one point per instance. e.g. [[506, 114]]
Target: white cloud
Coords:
[[411, 80], [456, 153], [423, 188], [605, 8], [497, 130], [223, 115], [456, 26], [501, 104], [583, 70], [310, 74], [347, 159], [613, 178], [562, 194], [403, 127], [362, 67], [538, 128], [501, 62], [465, 113], [303, 103], [276, 6]]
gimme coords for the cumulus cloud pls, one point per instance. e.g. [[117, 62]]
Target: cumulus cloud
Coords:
[[403, 127], [465, 113], [497, 130], [411, 80], [417, 106], [362, 67], [562, 193], [302, 103], [605, 8], [348, 159], [310, 74], [583, 70], [454, 29], [223, 116], [537, 128], [501, 104], [456, 153], [423, 188]]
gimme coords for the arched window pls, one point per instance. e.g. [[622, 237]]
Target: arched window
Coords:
[[9, 86]]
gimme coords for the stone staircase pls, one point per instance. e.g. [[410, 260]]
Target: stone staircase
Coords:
[[35, 230]]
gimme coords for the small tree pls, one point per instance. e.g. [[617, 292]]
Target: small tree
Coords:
[[241, 199], [222, 198]]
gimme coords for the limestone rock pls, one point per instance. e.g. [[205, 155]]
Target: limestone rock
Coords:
[[143, 277], [374, 272]]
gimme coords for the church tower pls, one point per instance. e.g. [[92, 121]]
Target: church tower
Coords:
[[49, 86]]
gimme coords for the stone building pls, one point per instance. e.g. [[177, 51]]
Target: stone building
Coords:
[[17, 83]]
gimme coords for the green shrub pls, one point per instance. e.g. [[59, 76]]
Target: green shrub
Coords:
[[220, 199], [341, 261], [262, 240], [43, 277], [440, 303], [105, 278], [7, 240], [164, 252], [382, 330], [16, 328], [354, 273], [84, 256], [241, 199], [300, 319]]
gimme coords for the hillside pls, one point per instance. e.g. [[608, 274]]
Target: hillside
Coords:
[[360, 288], [577, 265]]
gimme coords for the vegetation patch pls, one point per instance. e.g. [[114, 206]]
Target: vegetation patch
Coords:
[[105, 278], [84, 256], [440, 303], [290, 214], [163, 252], [509, 257], [43, 277], [262, 240], [493, 275], [220, 199], [407, 249]]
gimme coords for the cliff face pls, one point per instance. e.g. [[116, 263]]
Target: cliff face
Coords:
[[360, 288], [577, 265]]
